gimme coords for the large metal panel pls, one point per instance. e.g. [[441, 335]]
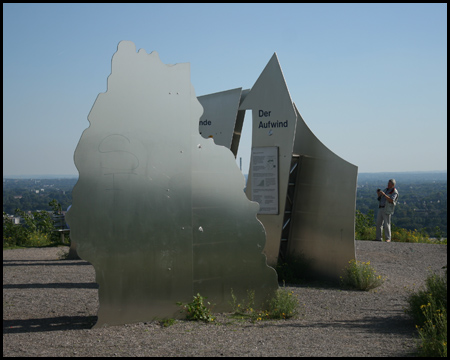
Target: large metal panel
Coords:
[[227, 238], [274, 122], [131, 181], [323, 220], [221, 119], [153, 198], [219, 116]]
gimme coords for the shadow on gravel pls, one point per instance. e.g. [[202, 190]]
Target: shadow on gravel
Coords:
[[44, 262], [394, 324], [48, 324], [314, 285], [52, 286]]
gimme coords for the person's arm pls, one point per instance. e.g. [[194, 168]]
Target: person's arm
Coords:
[[388, 198]]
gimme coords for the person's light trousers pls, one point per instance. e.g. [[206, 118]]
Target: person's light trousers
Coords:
[[383, 221]]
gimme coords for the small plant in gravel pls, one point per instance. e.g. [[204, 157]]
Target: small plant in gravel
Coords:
[[361, 276], [167, 322], [283, 305], [244, 309], [197, 310], [428, 308]]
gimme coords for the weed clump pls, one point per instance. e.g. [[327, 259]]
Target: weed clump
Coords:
[[361, 276], [283, 305], [197, 310]]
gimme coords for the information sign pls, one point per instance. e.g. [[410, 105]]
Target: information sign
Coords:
[[264, 175]]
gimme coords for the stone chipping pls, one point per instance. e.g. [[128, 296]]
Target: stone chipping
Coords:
[[50, 305]]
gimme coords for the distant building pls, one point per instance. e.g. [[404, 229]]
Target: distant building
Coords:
[[14, 219]]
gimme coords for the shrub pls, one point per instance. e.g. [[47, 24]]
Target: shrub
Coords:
[[433, 333], [13, 235], [412, 236], [39, 239], [361, 276], [435, 292], [364, 225], [37, 229], [283, 305], [368, 233], [428, 308]]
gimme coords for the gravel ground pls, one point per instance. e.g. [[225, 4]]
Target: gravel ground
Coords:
[[49, 306]]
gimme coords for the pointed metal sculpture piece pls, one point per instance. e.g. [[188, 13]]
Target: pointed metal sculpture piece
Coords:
[[274, 123], [158, 210]]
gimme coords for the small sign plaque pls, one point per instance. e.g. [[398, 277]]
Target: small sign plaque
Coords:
[[264, 175]]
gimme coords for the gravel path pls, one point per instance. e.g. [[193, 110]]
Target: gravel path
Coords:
[[49, 306]]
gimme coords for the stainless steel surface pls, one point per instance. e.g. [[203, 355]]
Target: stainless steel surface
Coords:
[[219, 116], [238, 126], [158, 210], [323, 220], [274, 122], [221, 119], [227, 238]]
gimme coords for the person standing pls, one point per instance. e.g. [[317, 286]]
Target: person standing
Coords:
[[387, 200]]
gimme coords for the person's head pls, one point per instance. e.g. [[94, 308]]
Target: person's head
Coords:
[[391, 183]]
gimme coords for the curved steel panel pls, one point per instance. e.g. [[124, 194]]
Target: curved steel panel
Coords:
[[323, 221]]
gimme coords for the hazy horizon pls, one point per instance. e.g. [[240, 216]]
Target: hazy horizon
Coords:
[[71, 176]]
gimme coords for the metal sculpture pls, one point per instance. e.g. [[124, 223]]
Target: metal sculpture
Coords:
[[158, 210], [307, 194]]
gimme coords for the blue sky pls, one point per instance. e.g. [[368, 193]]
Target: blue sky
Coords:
[[370, 80]]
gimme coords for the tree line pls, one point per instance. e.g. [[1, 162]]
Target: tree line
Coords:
[[422, 202], [36, 194]]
